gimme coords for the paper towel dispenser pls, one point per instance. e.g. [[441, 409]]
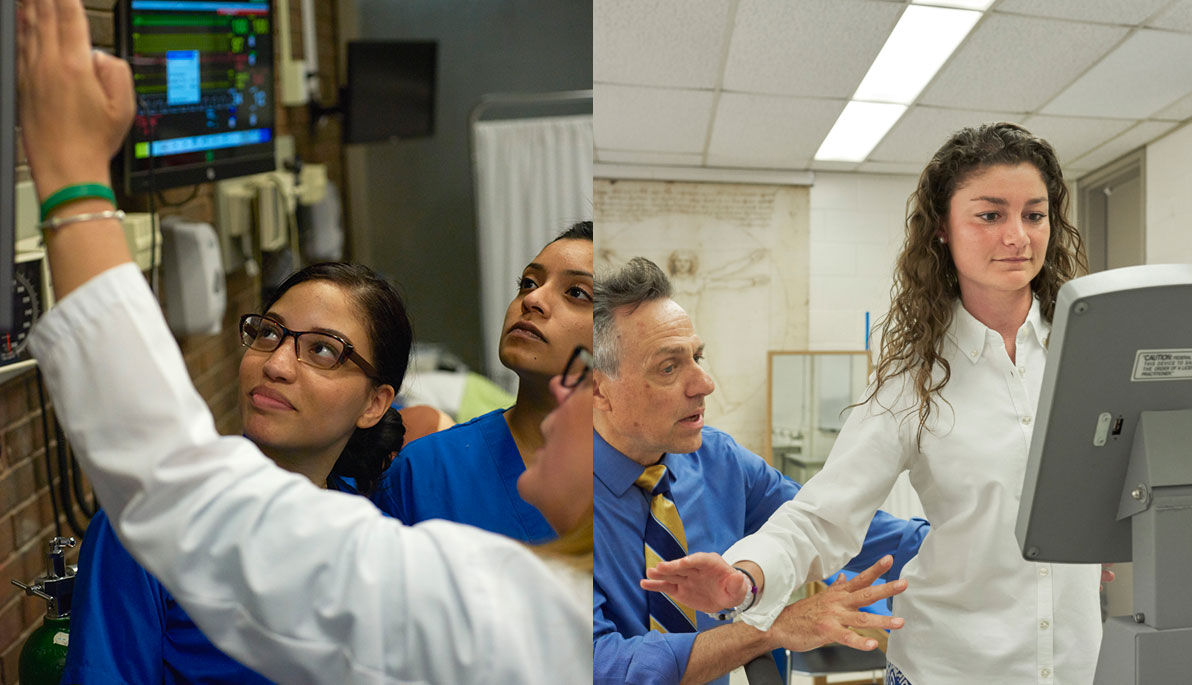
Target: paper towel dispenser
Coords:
[[193, 276]]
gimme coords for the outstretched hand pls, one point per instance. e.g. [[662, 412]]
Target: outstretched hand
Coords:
[[702, 581], [76, 104], [826, 617]]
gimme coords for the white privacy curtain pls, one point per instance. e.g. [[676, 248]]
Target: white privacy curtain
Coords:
[[533, 179]]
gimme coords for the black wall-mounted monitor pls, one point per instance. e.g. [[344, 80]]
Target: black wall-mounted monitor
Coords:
[[203, 74], [391, 90], [8, 122]]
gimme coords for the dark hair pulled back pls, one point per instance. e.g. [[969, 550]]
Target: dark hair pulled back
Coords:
[[387, 324]]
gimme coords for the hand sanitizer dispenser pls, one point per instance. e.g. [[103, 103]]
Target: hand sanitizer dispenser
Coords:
[[193, 276]]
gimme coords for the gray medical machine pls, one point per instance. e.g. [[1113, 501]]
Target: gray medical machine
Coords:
[[1109, 476]]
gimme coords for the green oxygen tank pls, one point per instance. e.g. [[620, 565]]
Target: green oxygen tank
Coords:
[[44, 655]]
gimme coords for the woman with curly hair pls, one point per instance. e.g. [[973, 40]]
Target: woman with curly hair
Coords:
[[988, 245]]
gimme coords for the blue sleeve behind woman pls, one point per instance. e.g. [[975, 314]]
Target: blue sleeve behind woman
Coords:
[[390, 495]]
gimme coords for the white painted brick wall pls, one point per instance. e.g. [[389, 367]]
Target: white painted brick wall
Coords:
[[857, 225]]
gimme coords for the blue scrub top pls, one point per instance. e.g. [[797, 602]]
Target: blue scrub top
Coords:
[[467, 474], [126, 628]]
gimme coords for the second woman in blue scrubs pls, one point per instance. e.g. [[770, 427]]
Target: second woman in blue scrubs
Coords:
[[469, 472]]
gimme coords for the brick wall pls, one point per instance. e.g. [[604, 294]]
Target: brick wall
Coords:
[[26, 518]]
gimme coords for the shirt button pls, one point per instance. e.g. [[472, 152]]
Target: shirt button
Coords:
[[1044, 624], [1022, 371], [1045, 672], [972, 353], [1026, 420], [1043, 571]]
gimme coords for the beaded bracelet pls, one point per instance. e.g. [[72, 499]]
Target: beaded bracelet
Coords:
[[79, 191]]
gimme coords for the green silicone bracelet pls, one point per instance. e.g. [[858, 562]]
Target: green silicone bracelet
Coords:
[[80, 191]]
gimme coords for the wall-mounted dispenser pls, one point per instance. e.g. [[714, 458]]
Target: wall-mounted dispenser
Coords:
[[196, 294]]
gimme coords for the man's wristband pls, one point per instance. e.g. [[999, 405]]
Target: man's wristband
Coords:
[[745, 605], [78, 191]]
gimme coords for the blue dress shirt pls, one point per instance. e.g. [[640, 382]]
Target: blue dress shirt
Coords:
[[126, 628], [723, 492], [467, 474]]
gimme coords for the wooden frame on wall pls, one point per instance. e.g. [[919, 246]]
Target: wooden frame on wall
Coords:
[[768, 453]]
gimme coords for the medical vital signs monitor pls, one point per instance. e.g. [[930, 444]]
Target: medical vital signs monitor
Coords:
[[203, 74]]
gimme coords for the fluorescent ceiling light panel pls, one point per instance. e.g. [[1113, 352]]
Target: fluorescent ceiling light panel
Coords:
[[979, 5], [921, 42], [858, 130]]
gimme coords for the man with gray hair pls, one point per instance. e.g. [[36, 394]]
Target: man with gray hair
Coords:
[[666, 485]]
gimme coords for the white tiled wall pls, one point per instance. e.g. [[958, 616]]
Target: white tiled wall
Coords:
[[857, 225], [1168, 200]]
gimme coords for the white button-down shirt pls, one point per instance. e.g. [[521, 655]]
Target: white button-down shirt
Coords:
[[976, 612], [300, 584]]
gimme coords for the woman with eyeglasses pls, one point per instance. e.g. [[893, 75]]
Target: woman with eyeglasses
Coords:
[[311, 400], [468, 473], [301, 584]]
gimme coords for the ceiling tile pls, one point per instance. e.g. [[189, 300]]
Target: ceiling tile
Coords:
[[651, 119], [1105, 11], [1073, 137], [772, 131], [1142, 134], [1140, 77], [676, 43], [649, 158], [1177, 111], [922, 130], [1018, 45], [809, 47], [782, 47], [1178, 17]]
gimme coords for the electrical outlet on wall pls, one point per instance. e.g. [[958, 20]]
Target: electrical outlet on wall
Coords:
[[284, 151], [28, 211], [139, 229]]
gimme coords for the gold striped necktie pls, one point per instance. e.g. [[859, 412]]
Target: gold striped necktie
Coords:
[[664, 541]]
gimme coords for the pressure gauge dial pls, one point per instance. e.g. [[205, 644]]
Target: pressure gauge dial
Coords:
[[26, 308]]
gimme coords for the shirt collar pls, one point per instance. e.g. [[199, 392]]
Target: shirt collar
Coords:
[[617, 471], [969, 334]]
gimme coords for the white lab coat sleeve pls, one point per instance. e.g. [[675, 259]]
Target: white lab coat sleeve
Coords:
[[824, 526], [300, 584]]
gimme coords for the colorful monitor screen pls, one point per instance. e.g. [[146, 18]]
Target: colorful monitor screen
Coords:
[[203, 75]]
